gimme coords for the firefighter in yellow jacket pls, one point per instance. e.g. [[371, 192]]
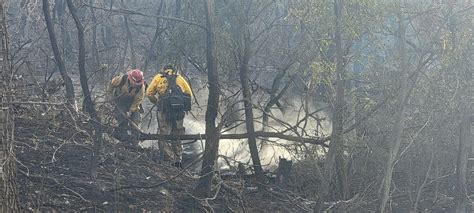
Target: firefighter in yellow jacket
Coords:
[[172, 95], [127, 92]]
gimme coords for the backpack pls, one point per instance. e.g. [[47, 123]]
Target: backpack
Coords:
[[174, 102]]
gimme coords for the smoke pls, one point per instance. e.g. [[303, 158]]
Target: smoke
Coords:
[[233, 151]]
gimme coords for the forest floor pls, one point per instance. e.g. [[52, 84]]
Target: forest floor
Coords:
[[54, 155]]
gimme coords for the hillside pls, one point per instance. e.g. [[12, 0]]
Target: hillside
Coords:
[[54, 174]]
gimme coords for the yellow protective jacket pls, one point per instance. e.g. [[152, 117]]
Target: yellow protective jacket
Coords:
[[159, 85], [125, 96]]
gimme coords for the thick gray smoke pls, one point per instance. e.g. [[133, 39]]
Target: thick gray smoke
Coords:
[[233, 151]]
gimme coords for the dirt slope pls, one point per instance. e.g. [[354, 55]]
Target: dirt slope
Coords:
[[54, 153]]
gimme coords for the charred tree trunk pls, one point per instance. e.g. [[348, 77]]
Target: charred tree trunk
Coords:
[[23, 19], [337, 134], [133, 59], [461, 165], [123, 56], [244, 80], [203, 187], [59, 10], [95, 51], [232, 108], [70, 96], [394, 146], [155, 38], [283, 172], [177, 12], [9, 201], [8, 178], [88, 104], [465, 141]]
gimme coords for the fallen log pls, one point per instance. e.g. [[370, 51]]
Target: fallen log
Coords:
[[145, 136], [260, 134]]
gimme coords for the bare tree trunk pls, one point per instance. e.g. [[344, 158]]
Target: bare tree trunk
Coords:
[[8, 180], [394, 146], [244, 57], [95, 51], [59, 10], [9, 201], [203, 187], [177, 12], [107, 41], [465, 140], [23, 19], [88, 104], [334, 165], [123, 54], [133, 60], [244, 80], [283, 172], [155, 38], [233, 104], [59, 61]]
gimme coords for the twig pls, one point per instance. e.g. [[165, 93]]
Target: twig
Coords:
[[132, 12], [34, 103], [57, 183]]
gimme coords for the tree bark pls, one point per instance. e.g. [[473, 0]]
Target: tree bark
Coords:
[[158, 31], [283, 172], [133, 60], [177, 12], [203, 187], [95, 51], [394, 146], [59, 10], [334, 164], [244, 81], [8, 178], [465, 143], [9, 201], [70, 96], [88, 104]]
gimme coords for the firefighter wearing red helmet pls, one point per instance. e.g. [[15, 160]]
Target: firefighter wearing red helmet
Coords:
[[127, 92]]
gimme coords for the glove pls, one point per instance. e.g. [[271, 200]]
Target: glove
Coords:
[[153, 99]]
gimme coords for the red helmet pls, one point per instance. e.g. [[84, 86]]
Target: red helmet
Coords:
[[135, 77]]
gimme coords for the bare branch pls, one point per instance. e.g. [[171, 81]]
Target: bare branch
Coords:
[[132, 12], [316, 141]]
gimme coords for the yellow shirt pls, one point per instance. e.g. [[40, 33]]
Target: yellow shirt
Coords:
[[125, 95], [160, 83]]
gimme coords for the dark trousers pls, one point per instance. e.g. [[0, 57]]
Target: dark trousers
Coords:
[[124, 118]]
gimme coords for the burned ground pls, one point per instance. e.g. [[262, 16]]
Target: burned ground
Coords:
[[54, 174]]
